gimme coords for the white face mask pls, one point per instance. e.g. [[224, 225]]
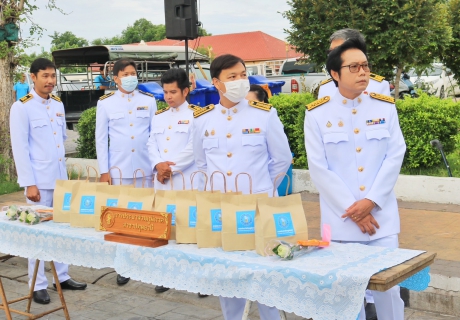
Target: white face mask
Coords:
[[236, 90]]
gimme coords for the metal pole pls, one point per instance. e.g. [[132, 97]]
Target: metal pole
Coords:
[[186, 64], [438, 145]]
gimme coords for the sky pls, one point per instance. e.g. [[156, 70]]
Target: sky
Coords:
[[91, 19]]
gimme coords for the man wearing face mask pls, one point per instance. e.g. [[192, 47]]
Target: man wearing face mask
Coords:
[[124, 117], [237, 136]]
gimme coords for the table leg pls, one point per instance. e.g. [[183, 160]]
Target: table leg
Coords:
[[32, 286], [5, 302], [59, 290], [247, 308]]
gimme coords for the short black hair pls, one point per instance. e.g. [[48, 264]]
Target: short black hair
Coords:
[[334, 59], [101, 68], [176, 75], [41, 64], [260, 92], [121, 65], [223, 62]]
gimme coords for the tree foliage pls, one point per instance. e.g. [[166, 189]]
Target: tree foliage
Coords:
[[399, 33], [66, 40], [451, 56]]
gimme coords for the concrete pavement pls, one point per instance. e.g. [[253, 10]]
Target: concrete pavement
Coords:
[[430, 227]]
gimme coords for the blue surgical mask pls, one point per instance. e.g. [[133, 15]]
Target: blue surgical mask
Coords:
[[129, 83]]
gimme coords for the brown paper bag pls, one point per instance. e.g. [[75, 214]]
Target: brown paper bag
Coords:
[[62, 196], [166, 201], [281, 218], [186, 212], [83, 204], [209, 217], [108, 196], [137, 198], [238, 218]]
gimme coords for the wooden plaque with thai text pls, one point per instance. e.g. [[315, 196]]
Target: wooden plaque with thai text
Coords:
[[145, 228]]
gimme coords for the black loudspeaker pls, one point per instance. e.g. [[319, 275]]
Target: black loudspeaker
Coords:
[[181, 19]]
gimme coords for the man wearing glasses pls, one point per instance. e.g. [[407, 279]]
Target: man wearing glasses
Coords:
[[377, 83], [355, 150]]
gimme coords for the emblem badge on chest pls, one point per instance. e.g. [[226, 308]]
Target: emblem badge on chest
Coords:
[[375, 121]]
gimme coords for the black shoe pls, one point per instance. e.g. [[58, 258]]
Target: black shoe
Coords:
[[72, 285], [122, 280], [200, 295], [42, 296], [371, 313], [160, 289]]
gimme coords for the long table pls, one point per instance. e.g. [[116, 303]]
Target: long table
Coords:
[[327, 283]]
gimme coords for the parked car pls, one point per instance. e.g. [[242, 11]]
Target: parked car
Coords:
[[436, 80]]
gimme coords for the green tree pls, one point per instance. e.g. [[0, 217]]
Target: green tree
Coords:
[[451, 56], [66, 40], [399, 33], [116, 40], [27, 59]]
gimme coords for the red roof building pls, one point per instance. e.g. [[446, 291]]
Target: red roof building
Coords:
[[252, 47]]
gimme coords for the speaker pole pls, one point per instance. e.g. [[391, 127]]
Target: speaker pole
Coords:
[[186, 65]]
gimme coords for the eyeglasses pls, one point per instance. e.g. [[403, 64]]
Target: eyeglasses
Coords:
[[355, 67]]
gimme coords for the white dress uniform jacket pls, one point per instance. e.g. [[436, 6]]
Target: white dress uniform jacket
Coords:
[[123, 121], [38, 132], [376, 84], [171, 140], [355, 149], [246, 138]]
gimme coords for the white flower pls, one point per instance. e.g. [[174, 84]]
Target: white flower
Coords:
[[23, 216], [284, 251]]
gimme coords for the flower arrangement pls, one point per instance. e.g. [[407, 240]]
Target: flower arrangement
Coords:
[[23, 214], [12, 212]]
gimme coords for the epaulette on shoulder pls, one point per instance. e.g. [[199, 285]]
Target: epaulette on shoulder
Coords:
[[193, 107], [26, 98], [105, 96], [325, 81], [200, 111], [376, 77], [56, 98], [382, 97], [260, 105], [146, 93], [317, 103], [161, 111]]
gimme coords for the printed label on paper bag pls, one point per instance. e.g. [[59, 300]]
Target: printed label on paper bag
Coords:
[[192, 216], [171, 208], [66, 203], [112, 203], [87, 204], [283, 224], [135, 205], [216, 219], [245, 222]]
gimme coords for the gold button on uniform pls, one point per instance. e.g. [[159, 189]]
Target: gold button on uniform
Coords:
[[229, 135], [52, 120], [356, 131], [360, 169], [58, 146], [132, 137], [344, 101], [54, 133], [235, 110], [229, 154], [354, 111], [60, 159], [362, 188], [48, 107], [229, 173], [167, 138], [132, 150], [359, 100], [223, 111], [130, 112], [229, 118], [130, 124], [169, 127], [358, 149], [166, 150]]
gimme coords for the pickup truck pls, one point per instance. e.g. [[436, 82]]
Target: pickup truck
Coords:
[[299, 76]]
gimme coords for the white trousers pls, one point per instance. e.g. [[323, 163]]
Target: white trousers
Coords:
[[125, 181], [62, 269], [388, 304], [233, 309]]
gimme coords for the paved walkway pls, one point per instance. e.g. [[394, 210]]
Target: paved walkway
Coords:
[[430, 227]]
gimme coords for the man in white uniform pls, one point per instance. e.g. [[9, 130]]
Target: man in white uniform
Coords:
[[123, 117], [38, 132], [237, 136], [355, 150], [377, 83]]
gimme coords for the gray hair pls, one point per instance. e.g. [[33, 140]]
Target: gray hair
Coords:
[[346, 34]]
